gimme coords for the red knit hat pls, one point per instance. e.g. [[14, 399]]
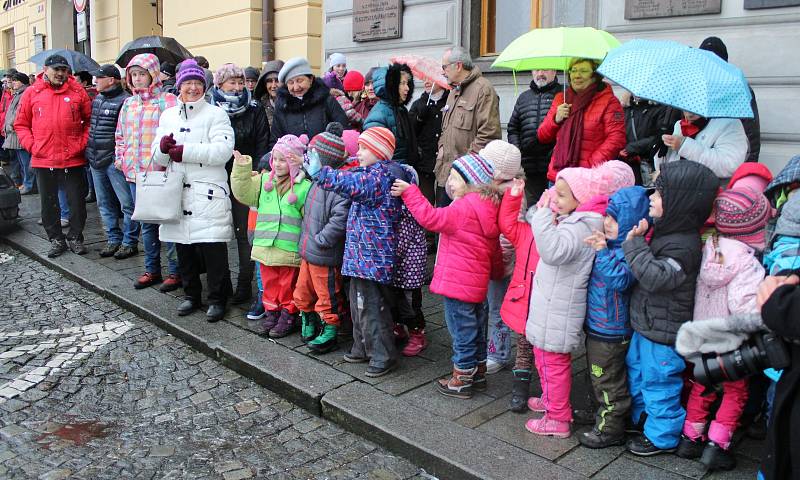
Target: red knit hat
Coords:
[[353, 81], [379, 141], [742, 214]]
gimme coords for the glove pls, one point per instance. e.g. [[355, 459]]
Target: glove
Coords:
[[311, 163], [176, 153], [167, 142]]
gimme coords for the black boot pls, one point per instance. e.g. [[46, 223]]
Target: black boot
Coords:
[[688, 448], [520, 391], [594, 438], [716, 458]]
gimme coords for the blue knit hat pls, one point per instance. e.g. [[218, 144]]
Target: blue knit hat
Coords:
[[474, 169], [190, 70]]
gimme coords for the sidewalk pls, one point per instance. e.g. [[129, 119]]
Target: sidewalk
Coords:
[[450, 438]]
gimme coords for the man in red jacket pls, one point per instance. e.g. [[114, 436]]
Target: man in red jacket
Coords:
[[53, 124]]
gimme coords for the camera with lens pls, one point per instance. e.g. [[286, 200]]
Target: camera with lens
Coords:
[[762, 350]]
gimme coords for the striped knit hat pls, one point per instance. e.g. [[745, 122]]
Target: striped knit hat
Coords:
[[379, 141], [329, 145], [742, 214], [287, 144], [474, 169]]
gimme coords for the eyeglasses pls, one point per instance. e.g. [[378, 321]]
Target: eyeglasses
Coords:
[[444, 67], [581, 71]]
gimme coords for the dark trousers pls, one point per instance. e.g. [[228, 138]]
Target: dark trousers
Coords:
[[609, 377], [371, 305], [535, 185], [408, 308], [427, 185], [73, 182], [240, 212], [192, 257], [442, 199]]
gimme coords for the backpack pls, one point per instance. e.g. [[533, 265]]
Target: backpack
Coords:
[[10, 199]]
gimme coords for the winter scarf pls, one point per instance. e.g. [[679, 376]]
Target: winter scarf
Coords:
[[691, 129], [571, 132], [234, 104]]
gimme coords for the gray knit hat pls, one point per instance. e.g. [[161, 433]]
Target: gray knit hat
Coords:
[[789, 220], [294, 68], [273, 66]]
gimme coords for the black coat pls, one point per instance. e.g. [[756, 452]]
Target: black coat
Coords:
[[781, 314], [752, 128], [309, 115], [529, 112], [666, 270], [103, 126], [645, 122], [251, 129], [427, 120]]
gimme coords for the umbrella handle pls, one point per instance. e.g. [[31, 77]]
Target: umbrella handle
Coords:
[[566, 79]]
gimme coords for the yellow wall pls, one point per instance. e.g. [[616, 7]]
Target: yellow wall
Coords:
[[116, 22], [23, 18], [298, 30]]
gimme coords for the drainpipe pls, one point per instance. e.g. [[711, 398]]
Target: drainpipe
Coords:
[[267, 30]]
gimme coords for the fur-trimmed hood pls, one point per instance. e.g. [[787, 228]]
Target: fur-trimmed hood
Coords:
[[386, 82]]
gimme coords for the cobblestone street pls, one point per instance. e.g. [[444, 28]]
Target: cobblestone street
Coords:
[[88, 390]]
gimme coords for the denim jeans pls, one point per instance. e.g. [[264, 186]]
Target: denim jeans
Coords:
[[152, 245], [114, 195], [466, 323], [499, 346], [63, 204], [24, 159], [14, 169]]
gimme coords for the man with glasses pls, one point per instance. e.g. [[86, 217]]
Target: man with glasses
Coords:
[[471, 117]]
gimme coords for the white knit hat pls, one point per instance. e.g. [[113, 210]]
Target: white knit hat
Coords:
[[336, 59], [505, 158]]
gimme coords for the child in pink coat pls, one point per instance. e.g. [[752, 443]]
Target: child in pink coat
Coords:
[[468, 256], [727, 284]]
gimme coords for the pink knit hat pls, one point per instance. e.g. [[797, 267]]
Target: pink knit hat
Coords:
[[742, 214], [605, 179], [287, 145], [579, 180], [350, 138]]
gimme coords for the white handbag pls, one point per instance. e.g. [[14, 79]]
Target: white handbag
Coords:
[[158, 196]]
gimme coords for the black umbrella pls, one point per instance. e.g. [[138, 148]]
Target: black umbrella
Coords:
[[78, 62], [167, 49]]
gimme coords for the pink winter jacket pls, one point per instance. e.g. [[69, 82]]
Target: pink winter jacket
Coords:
[[730, 287], [469, 249]]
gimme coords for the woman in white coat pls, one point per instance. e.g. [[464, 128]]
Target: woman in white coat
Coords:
[[196, 138], [718, 143]]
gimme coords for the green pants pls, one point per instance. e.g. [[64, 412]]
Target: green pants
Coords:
[[609, 379]]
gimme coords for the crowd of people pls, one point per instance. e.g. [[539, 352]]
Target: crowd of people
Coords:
[[643, 220]]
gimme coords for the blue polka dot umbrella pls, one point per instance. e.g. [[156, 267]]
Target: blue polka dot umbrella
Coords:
[[690, 79]]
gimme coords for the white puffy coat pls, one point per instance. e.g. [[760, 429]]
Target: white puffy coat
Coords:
[[205, 132]]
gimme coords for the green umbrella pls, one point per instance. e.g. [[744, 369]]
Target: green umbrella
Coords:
[[553, 48]]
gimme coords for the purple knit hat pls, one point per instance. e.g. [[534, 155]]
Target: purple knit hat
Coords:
[[190, 70], [286, 145], [742, 214]]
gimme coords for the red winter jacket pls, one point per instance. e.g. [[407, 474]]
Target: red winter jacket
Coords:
[[517, 301], [603, 130], [5, 103], [54, 124]]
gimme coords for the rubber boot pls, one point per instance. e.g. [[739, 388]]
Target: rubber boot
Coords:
[[309, 326], [520, 391], [325, 341]]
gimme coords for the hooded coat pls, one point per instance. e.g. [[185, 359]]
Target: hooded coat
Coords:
[[100, 149], [308, 115], [666, 270], [529, 112], [138, 119], [53, 123], [391, 113], [611, 280]]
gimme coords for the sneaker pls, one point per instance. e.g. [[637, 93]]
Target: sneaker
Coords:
[[535, 404], [493, 367], [109, 250], [64, 223], [375, 372], [146, 280], [583, 416], [596, 439], [286, 324], [459, 384], [57, 247], [172, 282], [547, 427], [77, 247], [325, 341], [416, 343], [309, 326], [350, 358], [716, 458], [689, 448], [641, 446], [256, 311], [270, 320], [520, 390], [126, 251]]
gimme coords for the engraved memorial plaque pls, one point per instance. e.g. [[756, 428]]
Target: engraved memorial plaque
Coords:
[[637, 9], [377, 20]]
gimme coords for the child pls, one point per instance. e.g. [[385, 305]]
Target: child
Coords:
[[280, 197], [663, 299], [468, 255], [727, 284], [608, 328], [319, 284], [370, 244], [558, 300], [337, 63], [784, 256]]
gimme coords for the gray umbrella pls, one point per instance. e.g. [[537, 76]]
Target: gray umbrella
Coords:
[[78, 62]]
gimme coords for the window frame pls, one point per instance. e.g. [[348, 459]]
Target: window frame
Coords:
[[536, 22], [9, 48]]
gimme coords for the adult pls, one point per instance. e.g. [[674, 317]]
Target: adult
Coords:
[[266, 90], [529, 112], [251, 131], [752, 126], [136, 130], [395, 87], [645, 122], [589, 128], [251, 75], [368, 97], [167, 74], [426, 115], [304, 105], [196, 139], [5, 103], [471, 118], [53, 124], [11, 144], [113, 195], [718, 143]]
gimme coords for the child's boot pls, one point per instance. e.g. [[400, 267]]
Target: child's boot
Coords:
[[548, 427], [595, 438], [309, 326], [269, 320], [459, 385], [416, 343], [325, 341], [479, 381], [286, 325], [520, 390], [717, 455], [691, 445]]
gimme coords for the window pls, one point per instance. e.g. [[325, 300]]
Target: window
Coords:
[[504, 20], [9, 49]]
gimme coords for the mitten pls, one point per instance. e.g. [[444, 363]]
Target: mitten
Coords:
[[167, 142], [176, 153]]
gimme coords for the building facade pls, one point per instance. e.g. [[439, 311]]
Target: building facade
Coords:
[[762, 41]]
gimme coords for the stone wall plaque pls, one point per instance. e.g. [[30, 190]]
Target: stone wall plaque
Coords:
[[637, 9], [377, 20], [756, 4]]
